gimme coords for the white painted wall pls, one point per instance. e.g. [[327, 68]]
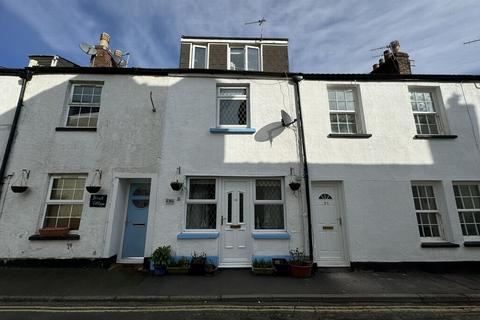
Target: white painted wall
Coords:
[[10, 92], [377, 172]]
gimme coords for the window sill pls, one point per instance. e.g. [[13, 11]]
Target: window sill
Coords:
[[233, 130], [270, 235], [350, 135], [439, 244], [75, 129], [435, 136], [471, 244], [198, 235], [37, 237]]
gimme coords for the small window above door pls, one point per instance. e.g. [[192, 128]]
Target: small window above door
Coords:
[[325, 196]]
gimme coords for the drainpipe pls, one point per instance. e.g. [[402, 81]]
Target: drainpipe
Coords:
[[26, 76], [296, 79]]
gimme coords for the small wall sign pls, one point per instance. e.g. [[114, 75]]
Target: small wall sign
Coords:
[[98, 200]]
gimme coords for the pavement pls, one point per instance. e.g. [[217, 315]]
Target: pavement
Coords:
[[120, 284]]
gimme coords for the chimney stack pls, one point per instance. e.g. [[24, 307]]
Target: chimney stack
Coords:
[[104, 56], [394, 61]]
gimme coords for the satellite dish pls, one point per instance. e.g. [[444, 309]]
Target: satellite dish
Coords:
[[286, 119], [88, 49]]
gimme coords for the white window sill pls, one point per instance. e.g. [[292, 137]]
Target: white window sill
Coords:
[[198, 235]]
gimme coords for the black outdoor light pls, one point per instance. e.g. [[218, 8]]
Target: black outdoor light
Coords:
[[95, 185], [177, 184], [20, 185]]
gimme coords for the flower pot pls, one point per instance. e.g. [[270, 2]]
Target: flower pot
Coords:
[[210, 269], [19, 189], [298, 271], [178, 270], [176, 186], [53, 232], [159, 270], [93, 189], [197, 268], [282, 268], [294, 186], [263, 271]]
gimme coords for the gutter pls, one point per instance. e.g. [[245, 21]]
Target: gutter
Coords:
[[26, 76], [297, 79]]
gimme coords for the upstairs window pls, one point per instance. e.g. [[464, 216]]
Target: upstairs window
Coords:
[[425, 113], [84, 106], [343, 110], [201, 204], [199, 57], [232, 104], [245, 58], [65, 202]]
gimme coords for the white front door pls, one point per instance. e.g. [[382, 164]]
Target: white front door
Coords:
[[329, 246], [235, 224]]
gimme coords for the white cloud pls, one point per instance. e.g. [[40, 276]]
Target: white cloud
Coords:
[[325, 36]]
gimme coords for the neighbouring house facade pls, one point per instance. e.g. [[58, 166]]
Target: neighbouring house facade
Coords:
[[202, 159]]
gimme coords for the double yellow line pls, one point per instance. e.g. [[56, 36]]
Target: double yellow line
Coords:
[[442, 309]]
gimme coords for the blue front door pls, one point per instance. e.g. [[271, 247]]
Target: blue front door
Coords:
[[136, 221]]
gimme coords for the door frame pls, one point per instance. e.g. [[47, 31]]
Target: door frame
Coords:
[[248, 226], [115, 229], [338, 186]]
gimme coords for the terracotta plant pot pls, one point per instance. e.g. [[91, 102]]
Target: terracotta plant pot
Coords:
[[298, 271], [53, 232]]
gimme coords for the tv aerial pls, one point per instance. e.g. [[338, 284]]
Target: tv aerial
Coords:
[[286, 119], [471, 41], [88, 48], [260, 23]]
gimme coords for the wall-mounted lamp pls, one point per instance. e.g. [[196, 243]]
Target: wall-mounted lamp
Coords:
[[177, 184], [20, 184], [95, 184], [294, 184]]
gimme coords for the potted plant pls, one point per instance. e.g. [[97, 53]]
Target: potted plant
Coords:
[[281, 266], [197, 263], [178, 266], [160, 259], [300, 265], [263, 267], [210, 268]]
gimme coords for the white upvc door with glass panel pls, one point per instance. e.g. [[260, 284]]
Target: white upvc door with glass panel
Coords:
[[329, 247], [235, 224]]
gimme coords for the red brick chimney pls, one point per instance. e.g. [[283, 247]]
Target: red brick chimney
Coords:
[[103, 57], [393, 61]]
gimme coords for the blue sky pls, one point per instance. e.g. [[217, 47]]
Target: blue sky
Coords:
[[325, 36]]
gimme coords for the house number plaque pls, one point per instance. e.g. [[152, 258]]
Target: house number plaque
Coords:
[[98, 200]]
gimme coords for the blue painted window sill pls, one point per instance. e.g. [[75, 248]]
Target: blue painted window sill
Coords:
[[233, 130], [198, 235], [270, 235]]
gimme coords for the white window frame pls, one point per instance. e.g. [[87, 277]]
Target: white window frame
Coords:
[[50, 201], [200, 201], [245, 97], [437, 212], [282, 202], [459, 211], [83, 104], [357, 112], [192, 55], [245, 60], [438, 112]]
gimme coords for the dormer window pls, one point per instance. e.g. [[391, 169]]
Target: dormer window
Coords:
[[199, 57], [245, 58]]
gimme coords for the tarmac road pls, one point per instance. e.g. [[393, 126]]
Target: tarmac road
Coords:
[[219, 311]]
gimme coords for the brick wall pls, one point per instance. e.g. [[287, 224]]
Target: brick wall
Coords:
[[217, 56], [102, 59], [275, 58]]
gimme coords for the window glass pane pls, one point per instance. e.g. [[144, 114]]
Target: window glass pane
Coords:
[[199, 58], [268, 189], [229, 209], [230, 92], [233, 112], [201, 216], [237, 59], [240, 218], [202, 189], [253, 59], [269, 216]]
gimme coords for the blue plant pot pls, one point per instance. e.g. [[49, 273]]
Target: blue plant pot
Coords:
[[160, 270]]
